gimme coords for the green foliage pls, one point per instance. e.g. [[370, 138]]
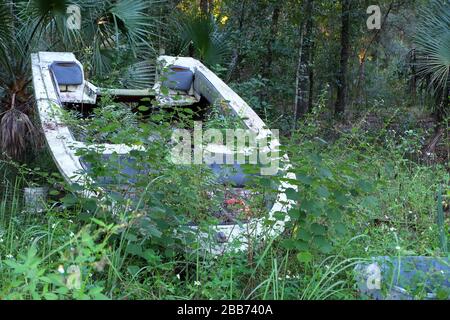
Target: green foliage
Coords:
[[325, 191], [107, 27], [203, 34], [121, 248], [433, 39], [363, 187], [111, 26], [441, 223], [45, 7], [433, 52]]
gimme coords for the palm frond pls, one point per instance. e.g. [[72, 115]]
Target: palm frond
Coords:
[[6, 19], [204, 35], [132, 20], [107, 27], [433, 44], [140, 75], [16, 133]]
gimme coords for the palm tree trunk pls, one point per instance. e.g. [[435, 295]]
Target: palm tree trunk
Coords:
[[342, 86]]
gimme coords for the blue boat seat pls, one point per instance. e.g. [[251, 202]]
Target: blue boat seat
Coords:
[[230, 174], [179, 78], [67, 73]]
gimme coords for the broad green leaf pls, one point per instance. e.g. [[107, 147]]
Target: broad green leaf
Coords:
[[143, 108], [323, 244], [304, 234], [323, 192], [304, 179], [325, 173], [318, 229], [133, 270], [304, 257], [340, 228], [292, 194], [134, 249]]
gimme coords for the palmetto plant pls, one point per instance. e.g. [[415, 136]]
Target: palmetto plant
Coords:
[[16, 41], [110, 31], [202, 36], [433, 52]]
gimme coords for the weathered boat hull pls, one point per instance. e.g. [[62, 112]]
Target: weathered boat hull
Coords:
[[206, 84]]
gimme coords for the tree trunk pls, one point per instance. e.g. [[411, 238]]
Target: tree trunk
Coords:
[[311, 78], [206, 7], [362, 63], [273, 32], [237, 51], [304, 71], [342, 85], [413, 83], [267, 65]]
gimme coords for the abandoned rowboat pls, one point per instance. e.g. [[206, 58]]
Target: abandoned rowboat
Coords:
[[59, 83]]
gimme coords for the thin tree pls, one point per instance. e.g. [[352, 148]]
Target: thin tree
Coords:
[[342, 85], [304, 75], [267, 65], [270, 41], [237, 50], [206, 7]]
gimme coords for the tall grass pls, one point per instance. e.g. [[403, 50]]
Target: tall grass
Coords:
[[441, 222], [402, 207]]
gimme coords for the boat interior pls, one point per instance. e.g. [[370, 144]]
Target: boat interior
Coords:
[[181, 83]]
